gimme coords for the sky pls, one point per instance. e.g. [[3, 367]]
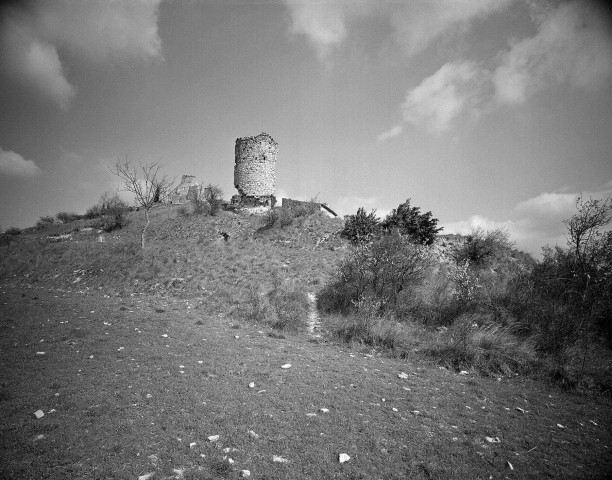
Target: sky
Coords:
[[488, 113]]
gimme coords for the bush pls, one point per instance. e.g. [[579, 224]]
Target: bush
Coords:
[[361, 227], [487, 347], [44, 222], [108, 223], [420, 227], [12, 231], [482, 247], [66, 217], [382, 270]]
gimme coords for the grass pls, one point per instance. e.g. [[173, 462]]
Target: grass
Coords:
[[128, 394], [147, 354]]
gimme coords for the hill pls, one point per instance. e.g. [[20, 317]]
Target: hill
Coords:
[[139, 360]]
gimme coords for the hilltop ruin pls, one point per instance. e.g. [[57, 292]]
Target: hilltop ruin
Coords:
[[254, 173]]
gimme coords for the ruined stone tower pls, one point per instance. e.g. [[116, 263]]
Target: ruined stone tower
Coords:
[[254, 175]]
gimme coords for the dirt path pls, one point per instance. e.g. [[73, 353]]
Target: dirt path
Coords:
[[135, 386]]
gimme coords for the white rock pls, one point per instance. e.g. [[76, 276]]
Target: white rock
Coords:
[[311, 414], [510, 465], [165, 335], [146, 476], [252, 385], [343, 457], [230, 461], [324, 410], [192, 444], [394, 409], [245, 473], [286, 365], [403, 375], [492, 440], [464, 372], [253, 435], [278, 459], [39, 437], [39, 414], [213, 438], [560, 426], [40, 353]]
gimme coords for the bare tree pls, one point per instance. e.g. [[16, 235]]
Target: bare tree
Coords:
[[145, 182], [584, 228]]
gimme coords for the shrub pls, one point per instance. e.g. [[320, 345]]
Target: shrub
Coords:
[[108, 223], [12, 231], [361, 227], [213, 194], [487, 347], [182, 211], [482, 247], [45, 221], [270, 218], [382, 270], [420, 227], [66, 217]]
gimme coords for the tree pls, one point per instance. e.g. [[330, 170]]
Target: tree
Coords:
[[361, 227], [420, 227], [145, 182]]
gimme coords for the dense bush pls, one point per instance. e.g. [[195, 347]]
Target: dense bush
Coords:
[[67, 217], [382, 270], [420, 227], [481, 248], [209, 200], [107, 205], [12, 231], [361, 227], [45, 221]]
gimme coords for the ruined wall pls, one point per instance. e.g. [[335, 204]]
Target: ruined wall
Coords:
[[254, 174], [181, 193]]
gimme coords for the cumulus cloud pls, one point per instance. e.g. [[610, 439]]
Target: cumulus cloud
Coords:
[[392, 132], [419, 22], [535, 222], [325, 23], [348, 205], [14, 165], [572, 45], [96, 30], [453, 90]]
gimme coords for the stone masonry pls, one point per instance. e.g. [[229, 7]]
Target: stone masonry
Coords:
[[185, 190], [254, 175]]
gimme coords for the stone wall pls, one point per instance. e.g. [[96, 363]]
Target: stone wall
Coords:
[[181, 194], [254, 174]]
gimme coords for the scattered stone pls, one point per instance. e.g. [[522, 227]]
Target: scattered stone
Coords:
[[394, 409], [521, 410], [560, 426], [286, 365], [343, 457], [146, 476], [261, 391], [40, 353], [278, 459], [464, 372], [39, 414], [253, 435], [324, 410], [192, 444], [120, 348], [510, 465], [39, 437], [245, 473], [236, 337], [593, 422], [154, 459], [492, 440], [165, 335], [213, 438], [403, 375], [311, 414], [252, 385], [52, 410]]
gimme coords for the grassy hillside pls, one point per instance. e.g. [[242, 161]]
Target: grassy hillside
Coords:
[[137, 358]]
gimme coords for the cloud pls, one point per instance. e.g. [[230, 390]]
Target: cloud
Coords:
[[453, 90], [572, 45], [419, 22], [98, 31], [535, 222], [392, 132], [14, 165], [35, 63], [324, 23]]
